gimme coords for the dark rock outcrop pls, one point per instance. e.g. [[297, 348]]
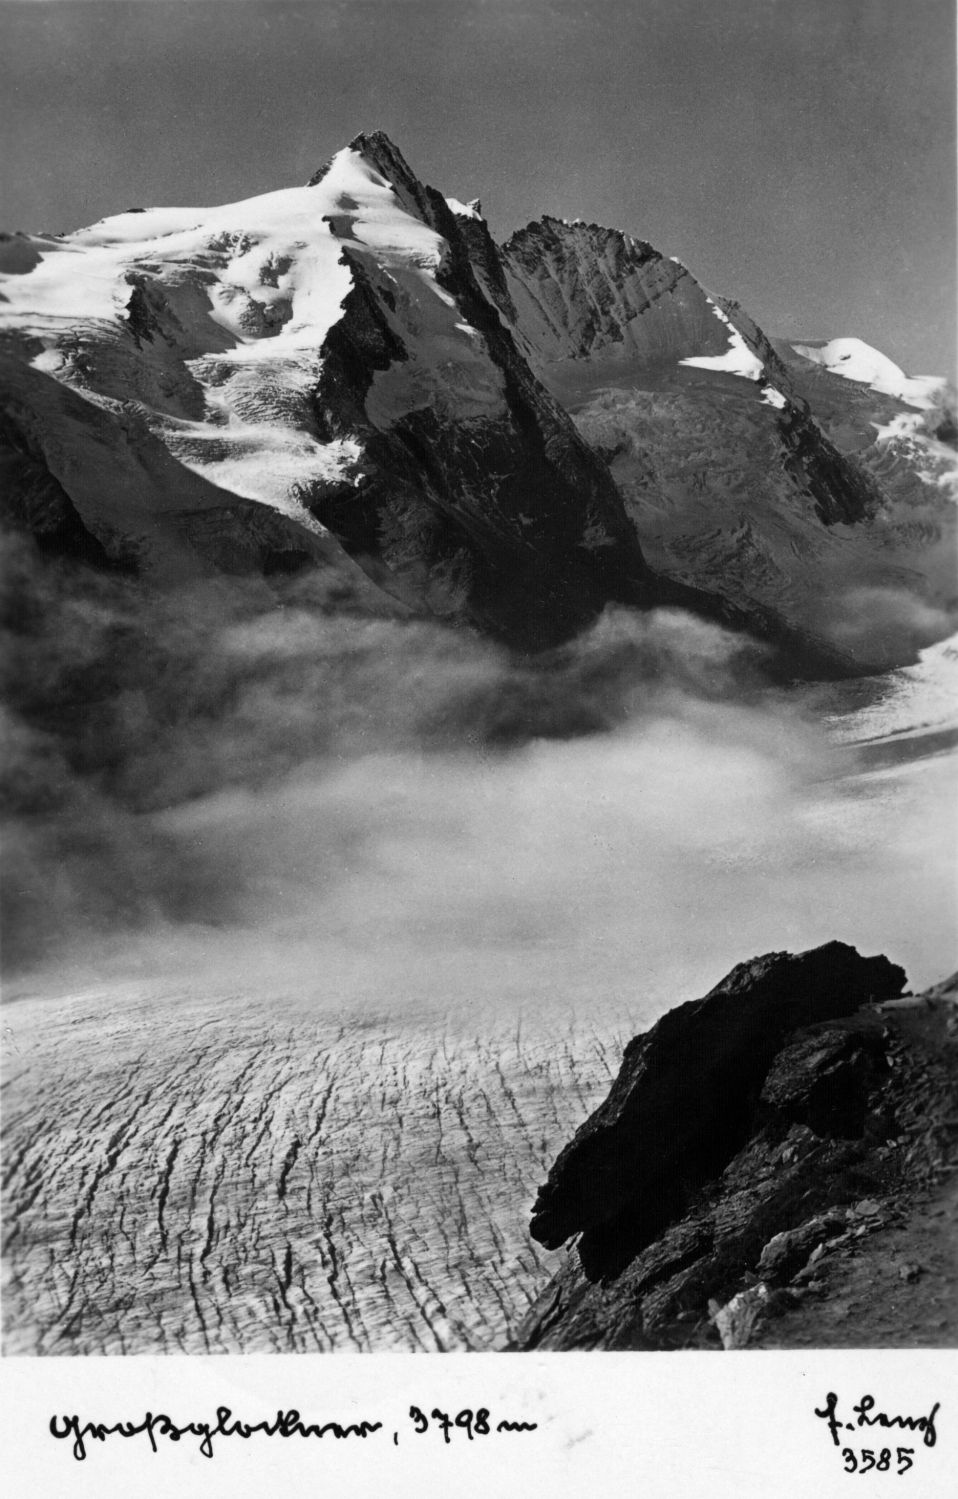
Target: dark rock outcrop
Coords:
[[686, 1093], [748, 1134]]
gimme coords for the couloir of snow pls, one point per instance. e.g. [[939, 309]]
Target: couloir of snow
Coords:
[[738, 358], [855, 360], [252, 289]]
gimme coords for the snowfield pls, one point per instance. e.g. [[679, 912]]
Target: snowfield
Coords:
[[244, 296], [855, 360]]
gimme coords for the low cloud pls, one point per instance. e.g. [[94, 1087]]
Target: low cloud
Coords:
[[386, 811]]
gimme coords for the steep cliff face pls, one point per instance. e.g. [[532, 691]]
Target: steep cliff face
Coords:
[[714, 439], [749, 1143], [593, 306], [580, 290], [476, 485]]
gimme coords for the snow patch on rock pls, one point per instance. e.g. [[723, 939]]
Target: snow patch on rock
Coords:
[[737, 360]]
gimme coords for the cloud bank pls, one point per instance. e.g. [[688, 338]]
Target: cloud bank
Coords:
[[235, 785]]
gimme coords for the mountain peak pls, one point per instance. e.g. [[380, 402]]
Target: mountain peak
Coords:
[[380, 160], [370, 142], [377, 151]]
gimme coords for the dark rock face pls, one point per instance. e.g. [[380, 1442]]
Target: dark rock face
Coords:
[[688, 1093], [592, 306], [685, 1096], [579, 289], [39, 505], [840, 1175], [840, 491], [507, 519]]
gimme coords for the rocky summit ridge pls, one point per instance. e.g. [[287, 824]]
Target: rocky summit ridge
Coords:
[[353, 375]]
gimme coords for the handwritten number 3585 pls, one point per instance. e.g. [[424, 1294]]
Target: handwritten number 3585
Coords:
[[883, 1462]]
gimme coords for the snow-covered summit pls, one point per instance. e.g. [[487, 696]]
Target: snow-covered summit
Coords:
[[246, 294], [333, 352], [855, 360]]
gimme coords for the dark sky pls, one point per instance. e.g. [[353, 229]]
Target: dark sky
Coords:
[[798, 155]]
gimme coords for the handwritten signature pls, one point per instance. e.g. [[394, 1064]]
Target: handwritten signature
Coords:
[[865, 1417]]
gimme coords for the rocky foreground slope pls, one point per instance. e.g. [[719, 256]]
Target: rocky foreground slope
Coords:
[[766, 1155], [352, 374]]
